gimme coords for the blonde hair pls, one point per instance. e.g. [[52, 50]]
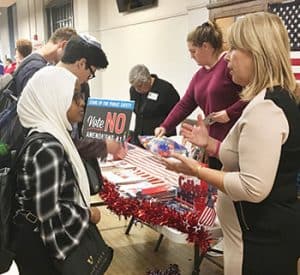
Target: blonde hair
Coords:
[[264, 36]]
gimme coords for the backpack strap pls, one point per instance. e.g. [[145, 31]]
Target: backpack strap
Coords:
[[6, 89], [30, 139], [24, 217]]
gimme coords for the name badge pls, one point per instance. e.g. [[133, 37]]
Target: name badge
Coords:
[[152, 96]]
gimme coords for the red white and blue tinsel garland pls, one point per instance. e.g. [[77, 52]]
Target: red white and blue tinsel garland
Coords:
[[157, 213]]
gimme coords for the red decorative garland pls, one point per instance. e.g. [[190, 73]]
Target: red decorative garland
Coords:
[[156, 213]]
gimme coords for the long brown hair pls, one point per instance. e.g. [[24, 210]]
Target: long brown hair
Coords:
[[207, 32]]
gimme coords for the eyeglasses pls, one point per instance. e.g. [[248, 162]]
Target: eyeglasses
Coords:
[[92, 75], [77, 97]]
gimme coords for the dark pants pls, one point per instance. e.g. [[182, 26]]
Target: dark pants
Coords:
[[272, 243], [265, 254], [32, 257]]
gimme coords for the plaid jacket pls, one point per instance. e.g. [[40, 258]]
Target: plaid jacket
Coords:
[[46, 186]]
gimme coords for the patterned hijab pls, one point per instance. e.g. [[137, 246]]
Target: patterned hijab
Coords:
[[43, 107]]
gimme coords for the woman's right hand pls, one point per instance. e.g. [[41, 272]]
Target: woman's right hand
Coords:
[[159, 131], [181, 164], [197, 135]]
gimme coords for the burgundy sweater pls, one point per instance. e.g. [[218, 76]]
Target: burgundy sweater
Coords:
[[212, 90]]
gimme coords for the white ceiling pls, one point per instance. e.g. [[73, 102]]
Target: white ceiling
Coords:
[[6, 3]]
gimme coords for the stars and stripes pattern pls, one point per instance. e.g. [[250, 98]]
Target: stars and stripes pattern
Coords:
[[290, 15], [295, 59], [152, 169], [208, 216], [151, 165]]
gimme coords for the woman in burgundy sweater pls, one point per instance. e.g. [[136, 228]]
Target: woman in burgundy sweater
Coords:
[[211, 88]]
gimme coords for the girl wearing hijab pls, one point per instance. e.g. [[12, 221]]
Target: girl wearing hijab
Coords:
[[51, 217]]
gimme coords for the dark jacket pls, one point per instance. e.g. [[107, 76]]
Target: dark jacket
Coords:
[[35, 62], [153, 107]]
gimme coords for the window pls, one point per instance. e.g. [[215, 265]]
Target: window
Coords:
[[60, 14], [12, 31]]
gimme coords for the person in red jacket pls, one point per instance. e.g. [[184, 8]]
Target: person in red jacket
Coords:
[[10, 66], [211, 87]]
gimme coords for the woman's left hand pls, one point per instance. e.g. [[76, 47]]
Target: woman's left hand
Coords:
[[95, 215], [221, 116], [181, 164], [197, 134]]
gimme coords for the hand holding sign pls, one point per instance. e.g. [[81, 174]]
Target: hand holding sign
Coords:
[[107, 119]]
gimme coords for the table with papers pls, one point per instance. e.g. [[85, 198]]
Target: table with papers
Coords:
[[139, 182]]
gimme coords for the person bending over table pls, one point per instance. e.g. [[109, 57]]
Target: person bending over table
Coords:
[[211, 88], [154, 99]]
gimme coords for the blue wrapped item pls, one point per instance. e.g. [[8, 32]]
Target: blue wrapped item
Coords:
[[162, 146]]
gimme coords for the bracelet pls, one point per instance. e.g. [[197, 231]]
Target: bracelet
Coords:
[[198, 171]]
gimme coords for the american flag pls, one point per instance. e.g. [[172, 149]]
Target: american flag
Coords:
[[295, 58], [147, 162], [154, 171], [290, 14], [208, 216]]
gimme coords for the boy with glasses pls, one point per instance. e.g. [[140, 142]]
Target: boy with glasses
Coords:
[[83, 56]]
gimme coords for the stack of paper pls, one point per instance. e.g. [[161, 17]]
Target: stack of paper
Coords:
[[133, 189], [121, 176]]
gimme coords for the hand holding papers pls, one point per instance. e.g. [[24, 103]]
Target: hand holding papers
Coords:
[[162, 146]]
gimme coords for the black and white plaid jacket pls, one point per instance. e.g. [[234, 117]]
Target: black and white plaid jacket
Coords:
[[46, 186]]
